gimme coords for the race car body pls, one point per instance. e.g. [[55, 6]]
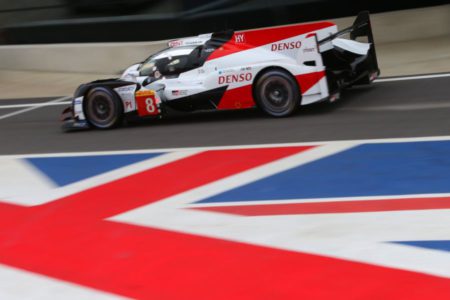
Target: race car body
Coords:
[[276, 69]]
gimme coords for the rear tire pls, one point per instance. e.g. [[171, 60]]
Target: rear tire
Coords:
[[277, 93], [103, 108]]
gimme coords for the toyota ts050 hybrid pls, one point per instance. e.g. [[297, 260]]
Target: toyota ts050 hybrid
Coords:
[[275, 69]]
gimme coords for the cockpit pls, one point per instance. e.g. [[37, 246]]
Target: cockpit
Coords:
[[172, 61]]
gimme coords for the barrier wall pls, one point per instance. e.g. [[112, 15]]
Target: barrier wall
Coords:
[[111, 58], [218, 15]]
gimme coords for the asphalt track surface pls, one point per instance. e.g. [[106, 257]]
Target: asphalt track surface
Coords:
[[404, 108]]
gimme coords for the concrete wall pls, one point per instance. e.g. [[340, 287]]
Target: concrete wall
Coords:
[[99, 58], [407, 25], [11, 11], [111, 58]]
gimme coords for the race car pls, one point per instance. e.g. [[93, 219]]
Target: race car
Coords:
[[275, 69]]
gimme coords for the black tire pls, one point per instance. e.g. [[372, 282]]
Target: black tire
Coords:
[[277, 93], [103, 108]]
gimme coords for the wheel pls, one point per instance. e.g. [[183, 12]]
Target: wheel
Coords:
[[277, 93], [103, 108]]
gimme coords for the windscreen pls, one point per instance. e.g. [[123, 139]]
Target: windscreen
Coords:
[[169, 62]]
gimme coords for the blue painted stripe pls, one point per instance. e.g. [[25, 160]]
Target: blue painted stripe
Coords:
[[70, 169], [366, 170], [443, 245]]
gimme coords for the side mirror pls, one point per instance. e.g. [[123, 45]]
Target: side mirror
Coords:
[[134, 73]]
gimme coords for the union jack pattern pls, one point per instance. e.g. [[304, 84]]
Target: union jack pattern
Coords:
[[341, 220]]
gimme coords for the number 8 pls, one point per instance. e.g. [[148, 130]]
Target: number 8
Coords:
[[150, 105]]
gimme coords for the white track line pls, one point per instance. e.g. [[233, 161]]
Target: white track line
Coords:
[[249, 146], [421, 106], [32, 106], [35, 104], [15, 113], [413, 77]]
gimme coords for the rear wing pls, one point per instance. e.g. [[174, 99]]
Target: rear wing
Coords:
[[361, 27]]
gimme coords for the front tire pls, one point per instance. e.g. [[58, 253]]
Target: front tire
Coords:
[[103, 108], [277, 93]]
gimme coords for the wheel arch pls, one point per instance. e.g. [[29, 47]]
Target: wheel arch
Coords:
[[109, 89], [84, 89], [273, 68]]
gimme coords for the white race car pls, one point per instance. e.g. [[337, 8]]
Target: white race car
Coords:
[[275, 69]]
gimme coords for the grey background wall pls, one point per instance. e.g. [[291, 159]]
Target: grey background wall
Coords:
[[145, 20], [110, 58]]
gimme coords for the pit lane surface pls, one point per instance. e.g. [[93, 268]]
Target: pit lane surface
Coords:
[[386, 109]]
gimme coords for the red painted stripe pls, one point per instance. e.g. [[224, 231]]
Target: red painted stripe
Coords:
[[242, 97], [69, 240], [333, 207], [307, 81], [147, 263], [9, 213], [238, 98], [259, 37], [166, 180]]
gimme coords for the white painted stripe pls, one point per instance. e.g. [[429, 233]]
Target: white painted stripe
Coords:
[[421, 106], [355, 236], [359, 237], [35, 104], [15, 113], [29, 198], [317, 200], [237, 180], [150, 215], [17, 177], [412, 77], [362, 237], [17, 284], [249, 146]]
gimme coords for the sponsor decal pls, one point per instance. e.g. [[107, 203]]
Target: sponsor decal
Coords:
[[239, 38], [208, 50], [145, 93], [196, 42], [286, 46], [179, 93], [188, 41], [79, 124], [128, 88], [235, 78], [78, 106], [147, 103], [175, 43], [128, 105], [230, 71], [126, 93], [309, 50]]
